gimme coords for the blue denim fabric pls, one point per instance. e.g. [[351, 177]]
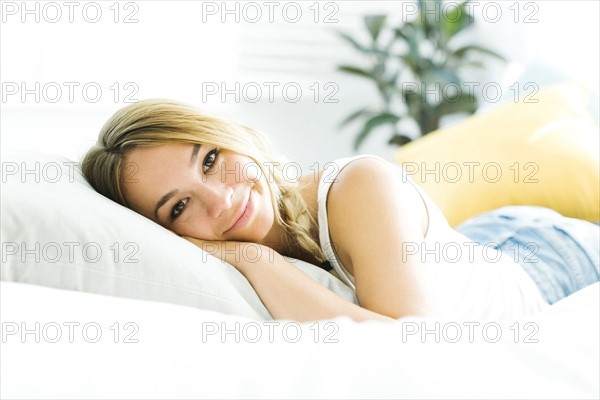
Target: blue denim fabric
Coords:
[[560, 254]]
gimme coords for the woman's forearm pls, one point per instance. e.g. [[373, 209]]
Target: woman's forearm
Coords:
[[289, 293]]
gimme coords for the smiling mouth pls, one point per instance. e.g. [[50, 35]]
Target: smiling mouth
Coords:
[[242, 213]]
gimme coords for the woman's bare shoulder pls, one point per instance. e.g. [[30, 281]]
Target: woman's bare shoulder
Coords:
[[371, 195], [372, 213]]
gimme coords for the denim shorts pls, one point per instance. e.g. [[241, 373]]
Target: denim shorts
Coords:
[[560, 254]]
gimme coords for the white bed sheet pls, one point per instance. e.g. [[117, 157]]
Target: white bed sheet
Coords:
[[370, 360]]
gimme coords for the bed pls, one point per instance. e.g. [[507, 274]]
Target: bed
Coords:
[[176, 352], [92, 307]]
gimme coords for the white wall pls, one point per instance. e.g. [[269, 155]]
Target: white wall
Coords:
[[174, 50]]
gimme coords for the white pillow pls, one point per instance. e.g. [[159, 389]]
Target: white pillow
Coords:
[[58, 232]]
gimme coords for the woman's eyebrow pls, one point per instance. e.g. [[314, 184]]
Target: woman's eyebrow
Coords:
[[195, 151], [161, 202]]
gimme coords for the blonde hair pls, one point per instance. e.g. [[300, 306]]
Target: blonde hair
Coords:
[[154, 122]]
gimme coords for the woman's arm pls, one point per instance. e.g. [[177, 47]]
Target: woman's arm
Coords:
[[372, 214], [287, 292]]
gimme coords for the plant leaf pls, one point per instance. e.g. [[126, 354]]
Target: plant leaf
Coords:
[[414, 102], [464, 102], [363, 49], [455, 20], [354, 115], [412, 59], [430, 17], [373, 122], [374, 24], [473, 63], [400, 31], [413, 45], [353, 42], [399, 139], [442, 75], [459, 53], [355, 71]]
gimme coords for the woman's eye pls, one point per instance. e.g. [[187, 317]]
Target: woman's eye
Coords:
[[210, 159], [178, 209]]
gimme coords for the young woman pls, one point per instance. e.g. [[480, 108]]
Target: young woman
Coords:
[[222, 187]]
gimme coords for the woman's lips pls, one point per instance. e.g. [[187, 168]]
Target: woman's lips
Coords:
[[246, 215]]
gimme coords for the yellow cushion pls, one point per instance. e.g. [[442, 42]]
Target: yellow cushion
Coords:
[[521, 153]]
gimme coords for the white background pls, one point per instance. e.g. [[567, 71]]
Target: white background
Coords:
[[174, 49]]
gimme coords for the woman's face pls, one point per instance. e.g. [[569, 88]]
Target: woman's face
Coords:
[[199, 191]]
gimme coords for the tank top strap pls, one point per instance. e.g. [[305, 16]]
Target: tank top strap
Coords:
[[328, 177]]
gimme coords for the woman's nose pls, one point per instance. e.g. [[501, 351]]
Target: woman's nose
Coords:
[[217, 198]]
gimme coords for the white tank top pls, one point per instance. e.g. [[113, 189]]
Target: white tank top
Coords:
[[472, 280]]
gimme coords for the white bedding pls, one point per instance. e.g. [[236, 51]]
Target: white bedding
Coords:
[[370, 360], [58, 232]]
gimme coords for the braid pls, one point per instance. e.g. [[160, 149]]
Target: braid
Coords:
[[298, 222]]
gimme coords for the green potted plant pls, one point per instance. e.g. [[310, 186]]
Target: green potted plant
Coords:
[[415, 66]]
